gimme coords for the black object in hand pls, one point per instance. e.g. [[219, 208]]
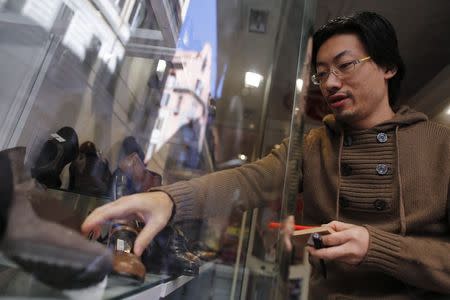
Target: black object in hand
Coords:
[[318, 244]]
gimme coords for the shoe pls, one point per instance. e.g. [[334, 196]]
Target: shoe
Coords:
[[45, 207], [130, 146], [56, 153], [203, 252], [121, 240], [122, 235], [89, 172], [55, 255], [128, 265], [168, 254], [141, 178]]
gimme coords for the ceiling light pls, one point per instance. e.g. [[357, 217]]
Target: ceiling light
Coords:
[[242, 157], [448, 111], [253, 79], [299, 85]]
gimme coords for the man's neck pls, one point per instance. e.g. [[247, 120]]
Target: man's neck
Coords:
[[374, 119]]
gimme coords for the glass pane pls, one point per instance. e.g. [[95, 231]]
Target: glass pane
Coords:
[[111, 98], [104, 100]]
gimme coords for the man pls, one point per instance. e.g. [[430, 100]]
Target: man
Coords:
[[380, 178]]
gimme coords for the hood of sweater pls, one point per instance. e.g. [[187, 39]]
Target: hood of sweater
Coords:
[[404, 116]]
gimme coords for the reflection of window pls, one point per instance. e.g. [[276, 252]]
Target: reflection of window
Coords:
[[119, 4], [159, 123], [204, 64], [165, 100], [177, 109], [138, 14], [198, 87], [258, 21], [177, 65]]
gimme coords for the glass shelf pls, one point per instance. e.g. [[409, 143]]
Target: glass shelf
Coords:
[[16, 283]]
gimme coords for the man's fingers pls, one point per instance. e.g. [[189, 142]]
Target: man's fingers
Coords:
[[329, 253], [340, 226], [118, 209], [146, 236], [336, 238]]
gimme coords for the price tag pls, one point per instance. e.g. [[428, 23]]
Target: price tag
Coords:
[[120, 245], [58, 137]]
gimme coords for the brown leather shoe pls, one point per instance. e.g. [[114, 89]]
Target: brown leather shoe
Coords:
[[141, 178], [122, 235], [131, 177], [54, 254], [128, 265]]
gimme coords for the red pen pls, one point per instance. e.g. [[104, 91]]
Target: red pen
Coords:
[[275, 225]]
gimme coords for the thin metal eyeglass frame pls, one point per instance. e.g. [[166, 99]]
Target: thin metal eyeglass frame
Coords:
[[336, 72]]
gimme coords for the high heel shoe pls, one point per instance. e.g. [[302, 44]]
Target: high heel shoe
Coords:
[[56, 153], [55, 255]]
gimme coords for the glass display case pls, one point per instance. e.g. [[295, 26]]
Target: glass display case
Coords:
[[114, 97]]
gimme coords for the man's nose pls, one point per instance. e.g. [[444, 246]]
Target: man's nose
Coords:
[[332, 82]]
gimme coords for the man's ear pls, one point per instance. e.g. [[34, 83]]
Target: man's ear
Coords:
[[389, 73]]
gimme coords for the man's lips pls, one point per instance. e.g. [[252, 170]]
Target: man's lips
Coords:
[[337, 100]]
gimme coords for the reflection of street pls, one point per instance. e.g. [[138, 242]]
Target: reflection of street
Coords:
[[183, 113]]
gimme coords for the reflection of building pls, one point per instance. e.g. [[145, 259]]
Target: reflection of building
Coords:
[[185, 97]]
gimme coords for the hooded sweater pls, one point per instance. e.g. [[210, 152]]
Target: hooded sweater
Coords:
[[393, 179]]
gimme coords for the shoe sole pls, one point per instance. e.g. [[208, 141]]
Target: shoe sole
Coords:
[[59, 267]]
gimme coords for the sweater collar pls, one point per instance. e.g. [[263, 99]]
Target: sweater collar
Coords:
[[403, 117]]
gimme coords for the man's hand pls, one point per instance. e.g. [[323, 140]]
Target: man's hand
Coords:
[[349, 244], [154, 208]]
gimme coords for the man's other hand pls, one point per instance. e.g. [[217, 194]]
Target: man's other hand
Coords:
[[349, 244]]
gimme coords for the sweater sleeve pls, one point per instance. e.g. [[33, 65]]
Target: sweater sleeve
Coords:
[[246, 187], [423, 262]]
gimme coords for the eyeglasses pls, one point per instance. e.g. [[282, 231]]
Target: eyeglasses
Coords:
[[340, 70]]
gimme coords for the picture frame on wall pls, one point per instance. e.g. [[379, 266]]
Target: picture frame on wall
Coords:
[[257, 21]]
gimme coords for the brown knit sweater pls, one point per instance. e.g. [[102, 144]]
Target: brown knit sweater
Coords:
[[393, 179]]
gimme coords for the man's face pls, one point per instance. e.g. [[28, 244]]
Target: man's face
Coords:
[[360, 95]]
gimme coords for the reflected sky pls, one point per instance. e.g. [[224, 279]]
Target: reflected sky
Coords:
[[199, 28]]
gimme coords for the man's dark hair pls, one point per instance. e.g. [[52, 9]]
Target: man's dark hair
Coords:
[[377, 35]]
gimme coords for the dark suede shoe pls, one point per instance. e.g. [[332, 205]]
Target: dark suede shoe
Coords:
[[89, 172], [56, 153], [168, 254], [54, 254]]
